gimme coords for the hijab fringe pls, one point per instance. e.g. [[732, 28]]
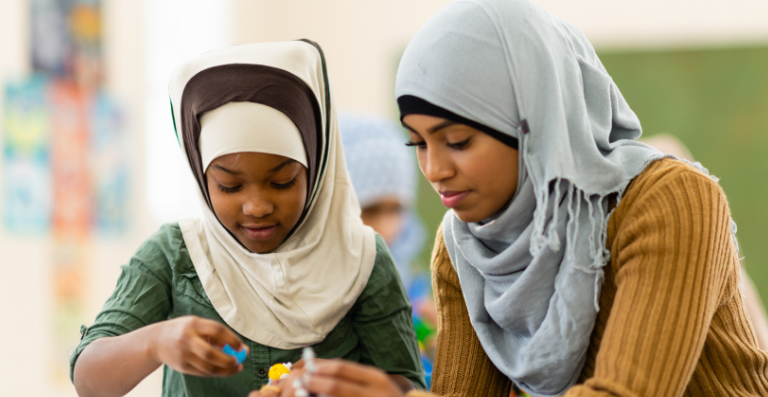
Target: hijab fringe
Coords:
[[597, 204]]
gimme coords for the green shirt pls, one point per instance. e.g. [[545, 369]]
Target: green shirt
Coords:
[[161, 283]]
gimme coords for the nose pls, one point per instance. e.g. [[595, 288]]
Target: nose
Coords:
[[435, 165], [257, 206]]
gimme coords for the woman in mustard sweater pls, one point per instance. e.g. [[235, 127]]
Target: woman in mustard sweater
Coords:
[[573, 260]]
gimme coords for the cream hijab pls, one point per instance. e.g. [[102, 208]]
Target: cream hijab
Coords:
[[244, 98]]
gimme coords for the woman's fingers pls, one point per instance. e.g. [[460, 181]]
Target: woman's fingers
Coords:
[[335, 387], [351, 372], [346, 379], [265, 391]]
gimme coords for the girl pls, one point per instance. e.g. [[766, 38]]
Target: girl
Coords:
[[280, 255], [384, 175], [573, 260]]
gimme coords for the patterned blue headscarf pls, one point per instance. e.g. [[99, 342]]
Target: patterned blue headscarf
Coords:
[[381, 166]]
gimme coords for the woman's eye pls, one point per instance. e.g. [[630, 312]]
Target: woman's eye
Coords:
[[226, 189], [459, 145], [284, 185], [420, 145]]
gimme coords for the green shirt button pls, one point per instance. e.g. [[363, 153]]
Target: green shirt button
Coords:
[[262, 372]]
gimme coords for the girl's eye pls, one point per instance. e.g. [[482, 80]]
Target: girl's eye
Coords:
[[459, 145], [226, 189], [284, 185], [420, 145]]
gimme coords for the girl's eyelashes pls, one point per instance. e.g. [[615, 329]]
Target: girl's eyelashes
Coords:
[[285, 185], [226, 189]]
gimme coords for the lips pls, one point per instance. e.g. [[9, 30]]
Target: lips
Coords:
[[260, 232], [451, 199]]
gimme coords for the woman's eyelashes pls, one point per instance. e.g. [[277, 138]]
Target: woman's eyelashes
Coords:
[[457, 145], [420, 145]]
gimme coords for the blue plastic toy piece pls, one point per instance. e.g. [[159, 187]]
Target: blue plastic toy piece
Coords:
[[240, 356]]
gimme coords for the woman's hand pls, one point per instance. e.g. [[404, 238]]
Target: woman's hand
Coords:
[[340, 378], [192, 345]]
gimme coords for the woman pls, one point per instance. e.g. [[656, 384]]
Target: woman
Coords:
[[574, 261]]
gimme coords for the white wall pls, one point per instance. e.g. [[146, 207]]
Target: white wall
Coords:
[[665, 23], [364, 39]]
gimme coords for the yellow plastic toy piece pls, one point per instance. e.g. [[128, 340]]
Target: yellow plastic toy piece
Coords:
[[278, 371]]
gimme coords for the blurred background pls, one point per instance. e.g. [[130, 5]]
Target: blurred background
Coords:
[[90, 165]]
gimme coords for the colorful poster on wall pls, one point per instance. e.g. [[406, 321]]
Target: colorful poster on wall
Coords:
[[72, 209], [110, 167], [84, 170], [50, 39], [26, 157], [70, 270], [69, 160], [66, 40]]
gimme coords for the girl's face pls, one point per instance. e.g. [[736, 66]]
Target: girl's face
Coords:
[[473, 173], [258, 197], [385, 217]]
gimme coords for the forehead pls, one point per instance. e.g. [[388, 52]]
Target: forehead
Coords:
[[427, 125], [253, 163]]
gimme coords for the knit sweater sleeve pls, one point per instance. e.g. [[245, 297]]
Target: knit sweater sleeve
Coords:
[[461, 366], [675, 261]]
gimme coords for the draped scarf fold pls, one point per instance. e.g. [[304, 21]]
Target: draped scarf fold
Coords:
[[297, 294]]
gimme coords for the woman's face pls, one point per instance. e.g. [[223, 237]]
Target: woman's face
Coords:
[[258, 197], [473, 173]]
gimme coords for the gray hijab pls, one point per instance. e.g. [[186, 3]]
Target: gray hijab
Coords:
[[531, 275]]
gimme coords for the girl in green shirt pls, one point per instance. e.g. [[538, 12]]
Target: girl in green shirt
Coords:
[[279, 259]]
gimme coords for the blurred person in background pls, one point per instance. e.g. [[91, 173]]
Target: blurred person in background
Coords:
[[384, 175], [575, 260], [667, 143]]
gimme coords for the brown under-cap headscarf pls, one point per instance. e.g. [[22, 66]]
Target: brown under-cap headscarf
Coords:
[[300, 291], [266, 85]]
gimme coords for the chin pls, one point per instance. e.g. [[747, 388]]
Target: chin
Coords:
[[469, 216]]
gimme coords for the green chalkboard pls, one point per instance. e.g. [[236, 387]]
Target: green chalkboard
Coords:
[[716, 102]]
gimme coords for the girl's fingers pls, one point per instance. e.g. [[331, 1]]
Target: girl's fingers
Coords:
[[209, 370], [211, 354], [219, 334]]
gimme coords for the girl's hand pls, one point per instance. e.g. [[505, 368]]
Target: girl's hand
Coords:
[[192, 345], [339, 378]]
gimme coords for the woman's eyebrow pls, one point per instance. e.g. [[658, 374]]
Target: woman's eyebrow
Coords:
[[434, 128], [283, 164]]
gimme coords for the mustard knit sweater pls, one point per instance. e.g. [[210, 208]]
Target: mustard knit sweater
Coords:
[[672, 321]]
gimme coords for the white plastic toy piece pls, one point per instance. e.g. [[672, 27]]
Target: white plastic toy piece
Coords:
[[299, 385], [298, 388]]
